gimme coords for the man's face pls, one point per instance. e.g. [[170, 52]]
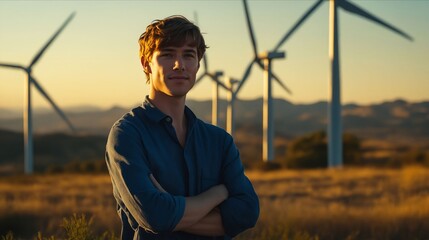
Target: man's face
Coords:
[[173, 70]]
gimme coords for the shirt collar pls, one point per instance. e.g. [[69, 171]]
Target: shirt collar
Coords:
[[190, 116], [155, 115], [152, 112]]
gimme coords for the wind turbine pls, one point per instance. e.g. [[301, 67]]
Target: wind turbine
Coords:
[[335, 126], [230, 115], [215, 77], [27, 118], [264, 60], [335, 151]]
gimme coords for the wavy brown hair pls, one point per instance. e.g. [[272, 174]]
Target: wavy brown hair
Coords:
[[171, 31]]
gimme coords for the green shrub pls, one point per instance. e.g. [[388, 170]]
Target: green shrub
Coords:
[[311, 151], [8, 236], [268, 166], [79, 166], [76, 228]]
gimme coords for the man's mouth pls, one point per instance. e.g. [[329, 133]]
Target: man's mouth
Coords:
[[177, 77]]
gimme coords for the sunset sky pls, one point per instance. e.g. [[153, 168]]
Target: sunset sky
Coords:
[[95, 59]]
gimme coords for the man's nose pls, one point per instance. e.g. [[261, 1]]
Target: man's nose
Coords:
[[179, 64]]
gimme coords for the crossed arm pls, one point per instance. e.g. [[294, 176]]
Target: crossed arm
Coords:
[[225, 209], [201, 215]]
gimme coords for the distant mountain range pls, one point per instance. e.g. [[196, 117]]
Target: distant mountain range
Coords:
[[399, 122], [391, 119]]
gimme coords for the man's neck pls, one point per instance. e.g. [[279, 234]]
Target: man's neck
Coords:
[[171, 106], [175, 108]]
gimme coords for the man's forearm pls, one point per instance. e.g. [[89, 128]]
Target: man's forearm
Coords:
[[200, 206], [209, 225]]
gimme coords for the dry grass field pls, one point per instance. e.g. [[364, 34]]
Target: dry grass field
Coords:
[[29, 204], [349, 203], [355, 203]]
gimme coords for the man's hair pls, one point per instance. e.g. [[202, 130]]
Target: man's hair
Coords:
[[175, 31]]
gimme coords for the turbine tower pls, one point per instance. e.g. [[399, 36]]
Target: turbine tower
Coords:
[[230, 114], [264, 61], [215, 77], [335, 151], [27, 114]]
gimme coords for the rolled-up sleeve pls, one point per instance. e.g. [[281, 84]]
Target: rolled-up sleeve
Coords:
[[153, 210], [241, 210]]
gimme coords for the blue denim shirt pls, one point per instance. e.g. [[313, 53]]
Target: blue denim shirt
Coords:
[[144, 142]]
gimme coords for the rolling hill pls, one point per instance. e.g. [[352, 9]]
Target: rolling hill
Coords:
[[384, 120], [394, 123]]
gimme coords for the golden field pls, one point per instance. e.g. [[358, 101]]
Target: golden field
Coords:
[[349, 203]]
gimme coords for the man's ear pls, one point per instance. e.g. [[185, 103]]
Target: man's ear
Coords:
[[145, 65]]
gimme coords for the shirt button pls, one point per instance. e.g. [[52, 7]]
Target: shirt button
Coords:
[[168, 119]]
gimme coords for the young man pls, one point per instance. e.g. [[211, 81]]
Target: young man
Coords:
[[174, 176]]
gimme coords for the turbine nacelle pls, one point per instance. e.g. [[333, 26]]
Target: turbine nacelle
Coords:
[[271, 55], [218, 74]]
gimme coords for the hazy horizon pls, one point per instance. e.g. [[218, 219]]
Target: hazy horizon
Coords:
[[84, 107]]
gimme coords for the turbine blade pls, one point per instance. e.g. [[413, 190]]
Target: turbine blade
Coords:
[[196, 17], [205, 62], [273, 75], [12, 66], [37, 57], [57, 109], [281, 83], [297, 24], [200, 77], [245, 76], [213, 77], [348, 6], [249, 25], [205, 54]]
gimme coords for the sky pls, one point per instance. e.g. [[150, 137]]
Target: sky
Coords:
[[95, 59]]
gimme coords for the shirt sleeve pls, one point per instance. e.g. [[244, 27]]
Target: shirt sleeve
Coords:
[[241, 210], [152, 209]]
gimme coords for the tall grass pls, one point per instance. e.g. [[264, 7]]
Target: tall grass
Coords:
[[29, 204], [349, 203]]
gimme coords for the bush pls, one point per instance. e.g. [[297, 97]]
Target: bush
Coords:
[[311, 151], [76, 228], [351, 149], [412, 156], [79, 166], [8, 236], [268, 166]]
